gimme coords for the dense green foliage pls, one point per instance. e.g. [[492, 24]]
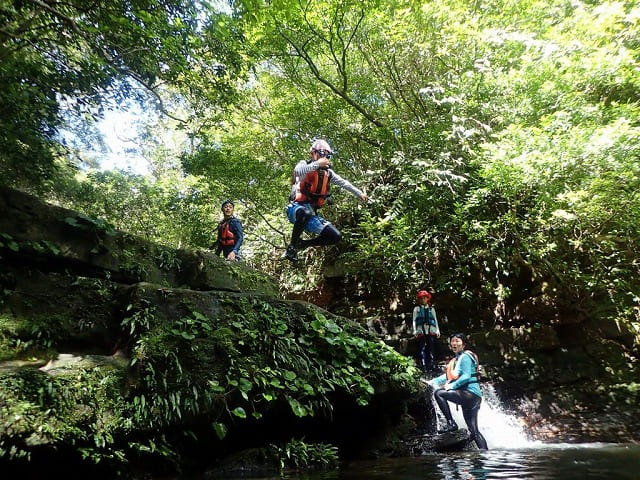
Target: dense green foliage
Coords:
[[170, 210], [261, 353], [497, 145], [189, 378], [498, 142], [299, 454], [61, 63]]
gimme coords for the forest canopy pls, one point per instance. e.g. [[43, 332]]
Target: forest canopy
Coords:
[[498, 141]]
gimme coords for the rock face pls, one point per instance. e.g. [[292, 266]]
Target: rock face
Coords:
[[55, 239], [568, 379], [570, 373], [122, 352], [568, 383]]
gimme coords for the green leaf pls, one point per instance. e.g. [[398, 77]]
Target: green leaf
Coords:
[[199, 316], [221, 430], [245, 385], [297, 408], [275, 382], [239, 412], [52, 247], [289, 375], [215, 387], [332, 340], [333, 327]]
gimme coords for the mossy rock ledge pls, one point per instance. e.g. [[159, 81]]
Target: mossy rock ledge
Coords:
[[121, 356]]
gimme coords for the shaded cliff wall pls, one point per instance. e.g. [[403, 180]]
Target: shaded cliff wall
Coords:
[[571, 373], [119, 351]]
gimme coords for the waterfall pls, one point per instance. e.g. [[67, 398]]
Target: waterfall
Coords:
[[500, 429]]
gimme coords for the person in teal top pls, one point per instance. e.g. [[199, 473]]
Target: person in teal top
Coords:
[[460, 385]]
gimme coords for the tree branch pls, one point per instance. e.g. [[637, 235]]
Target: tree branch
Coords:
[[110, 59]]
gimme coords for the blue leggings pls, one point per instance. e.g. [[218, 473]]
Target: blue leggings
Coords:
[[427, 350]]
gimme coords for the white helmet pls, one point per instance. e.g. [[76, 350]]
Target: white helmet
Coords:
[[320, 145]]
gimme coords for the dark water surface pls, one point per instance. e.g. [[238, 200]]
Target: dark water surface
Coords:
[[558, 461]]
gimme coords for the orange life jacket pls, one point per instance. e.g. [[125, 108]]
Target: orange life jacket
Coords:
[[226, 238], [314, 187], [451, 374]]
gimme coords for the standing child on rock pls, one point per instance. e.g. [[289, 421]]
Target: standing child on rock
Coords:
[[230, 235], [426, 330]]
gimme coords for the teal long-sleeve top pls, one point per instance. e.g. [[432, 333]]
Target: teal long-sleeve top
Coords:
[[465, 366]]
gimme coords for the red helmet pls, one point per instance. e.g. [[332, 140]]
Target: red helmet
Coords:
[[423, 293]]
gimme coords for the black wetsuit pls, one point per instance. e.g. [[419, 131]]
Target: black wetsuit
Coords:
[[470, 404]]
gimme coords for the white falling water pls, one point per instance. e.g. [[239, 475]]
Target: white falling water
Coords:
[[500, 429]]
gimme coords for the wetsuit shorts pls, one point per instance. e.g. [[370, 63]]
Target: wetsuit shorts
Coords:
[[316, 223]]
